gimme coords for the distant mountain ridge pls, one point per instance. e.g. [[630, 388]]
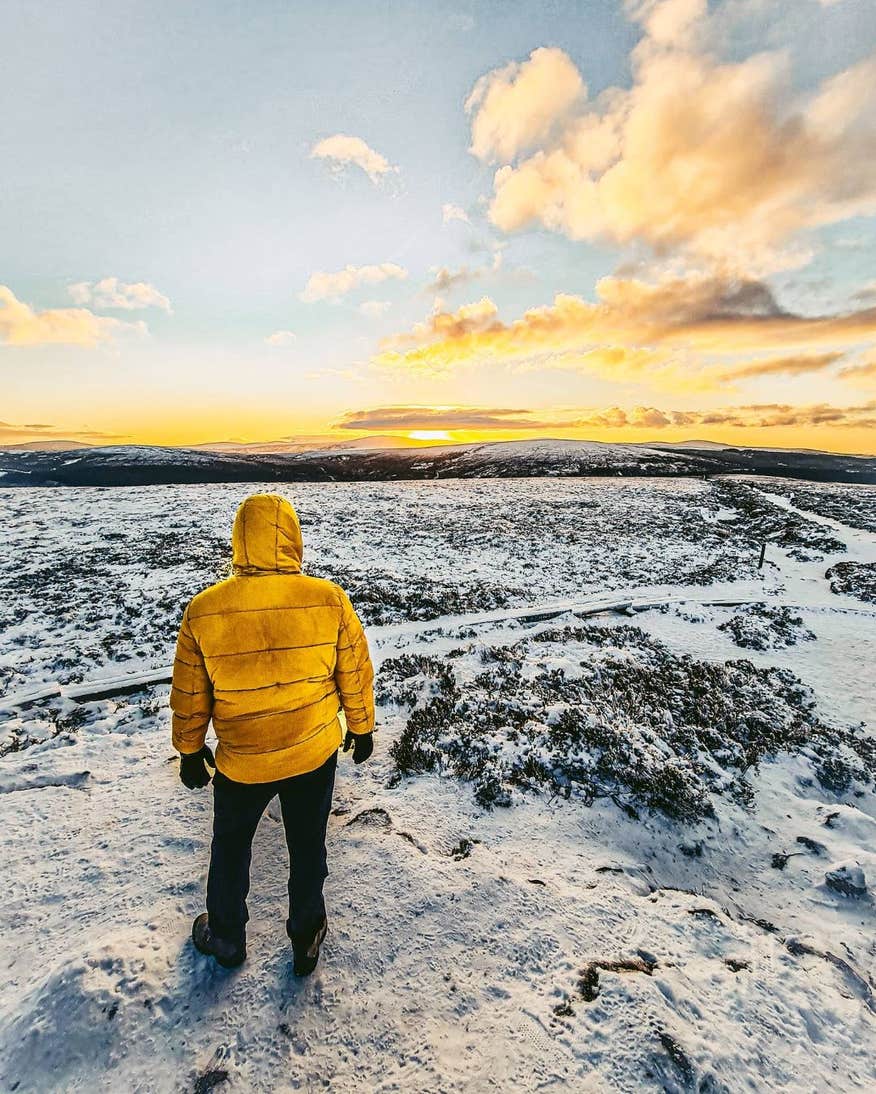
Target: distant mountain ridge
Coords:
[[143, 465]]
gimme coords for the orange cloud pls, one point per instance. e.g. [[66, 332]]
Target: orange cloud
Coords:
[[674, 331], [467, 418], [21, 325], [437, 418]]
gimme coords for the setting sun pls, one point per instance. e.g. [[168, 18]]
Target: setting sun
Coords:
[[429, 435]]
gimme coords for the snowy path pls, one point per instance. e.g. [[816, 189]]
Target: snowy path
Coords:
[[381, 638], [859, 542]]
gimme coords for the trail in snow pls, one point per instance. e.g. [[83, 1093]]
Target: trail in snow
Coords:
[[623, 600]]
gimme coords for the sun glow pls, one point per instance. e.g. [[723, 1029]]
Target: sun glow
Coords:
[[429, 435]]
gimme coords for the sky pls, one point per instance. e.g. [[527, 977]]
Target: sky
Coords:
[[624, 221]]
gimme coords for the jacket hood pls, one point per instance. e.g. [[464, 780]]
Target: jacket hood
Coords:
[[266, 537]]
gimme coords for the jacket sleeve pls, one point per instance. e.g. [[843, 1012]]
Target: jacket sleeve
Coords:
[[191, 694], [354, 673]]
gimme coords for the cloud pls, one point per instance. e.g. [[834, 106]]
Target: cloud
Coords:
[[861, 374], [12, 433], [375, 308], [750, 416], [678, 331], [21, 325], [281, 338], [445, 280], [111, 293], [342, 150], [332, 286], [426, 417], [786, 366], [711, 159], [447, 328], [515, 107], [451, 212]]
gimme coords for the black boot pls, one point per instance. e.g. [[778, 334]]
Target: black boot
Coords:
[[228, 954], [306, 948]]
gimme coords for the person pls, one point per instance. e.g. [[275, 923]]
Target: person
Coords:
[[272, 656]]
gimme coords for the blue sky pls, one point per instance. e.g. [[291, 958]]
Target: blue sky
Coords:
[[170, 145]]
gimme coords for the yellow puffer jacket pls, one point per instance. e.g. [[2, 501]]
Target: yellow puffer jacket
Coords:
[[271, 655]]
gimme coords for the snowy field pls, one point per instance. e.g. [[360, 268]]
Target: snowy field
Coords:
[[594, 852]]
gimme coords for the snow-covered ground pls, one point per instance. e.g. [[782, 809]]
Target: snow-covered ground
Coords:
[[545, 944]]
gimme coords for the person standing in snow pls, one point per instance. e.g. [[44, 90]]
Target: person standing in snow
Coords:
[[272, 657]]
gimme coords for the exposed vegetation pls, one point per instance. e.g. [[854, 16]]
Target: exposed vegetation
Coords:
[[766, 627], [632, 722], [854, 579]]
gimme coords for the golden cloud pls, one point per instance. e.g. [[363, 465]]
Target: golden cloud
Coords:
[[721, 159], [515, 107], [755, 415], [785, 366], [862, 374], [675, 331], [21, 325], [437, 418]]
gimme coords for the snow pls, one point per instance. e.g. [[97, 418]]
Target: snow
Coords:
[[459, 937]]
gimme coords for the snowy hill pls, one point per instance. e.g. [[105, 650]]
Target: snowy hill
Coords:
[[358, 460]]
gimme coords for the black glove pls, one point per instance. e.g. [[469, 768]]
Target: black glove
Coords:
[[193, 768], [362, 745]]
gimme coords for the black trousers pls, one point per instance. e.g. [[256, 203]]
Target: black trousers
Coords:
[[305, 801]]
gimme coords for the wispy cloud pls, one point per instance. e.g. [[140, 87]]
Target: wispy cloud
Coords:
[[281, 338], [784, 366], [445, 280], [862, 374], [332, 286], [426, 417], [12, 433], [450, 212], [342, 150], [110, 293], [375, 308], [22, 325]]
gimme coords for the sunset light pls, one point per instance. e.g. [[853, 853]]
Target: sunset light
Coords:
[[438, 568], [631, 220]]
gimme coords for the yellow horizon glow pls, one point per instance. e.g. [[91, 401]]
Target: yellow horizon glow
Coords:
[[846, 441]]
